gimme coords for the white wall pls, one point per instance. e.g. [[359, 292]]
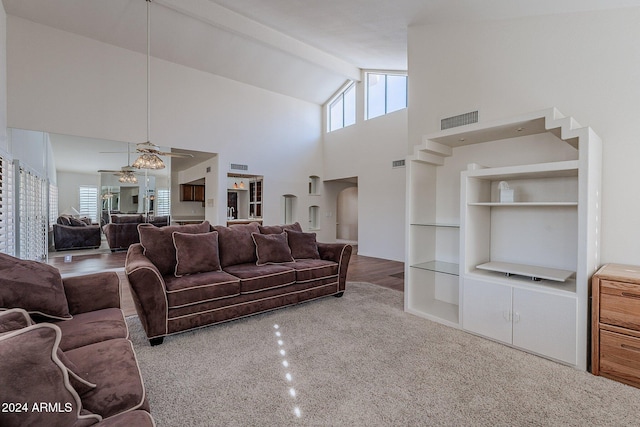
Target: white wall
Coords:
[[72, 182], [585, 64], [63, 83], [365, 150]]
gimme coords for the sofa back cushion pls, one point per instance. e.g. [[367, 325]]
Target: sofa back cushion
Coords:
[[33, 373], [196, 253], [277, 229], [235, 243], [158, 243], [126, 219], [33, 286]]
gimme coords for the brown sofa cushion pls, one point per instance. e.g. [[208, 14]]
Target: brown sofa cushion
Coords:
[[126, 219], [303, 245], [198, 288], [13, 319], [277, 229], [33, 286], [20, 352], [158, 243], [91, 327], [77, 222], [255, 278], [113, 367], [235, 243], [308, 270], [271, 248], [196, 253]]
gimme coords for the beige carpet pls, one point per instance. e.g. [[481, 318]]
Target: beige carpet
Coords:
[[361, 361]]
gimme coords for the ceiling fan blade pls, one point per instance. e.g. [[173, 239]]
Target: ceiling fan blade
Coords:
[[161, 153]]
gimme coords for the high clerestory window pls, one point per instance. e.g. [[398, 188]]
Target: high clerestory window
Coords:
[[342, 109], [385, 93]]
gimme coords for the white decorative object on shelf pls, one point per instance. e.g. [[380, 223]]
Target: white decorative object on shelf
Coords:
[[506, 193]]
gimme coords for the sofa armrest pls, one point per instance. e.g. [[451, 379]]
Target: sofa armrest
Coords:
[[148, 290], [340, 253], [92, 292]]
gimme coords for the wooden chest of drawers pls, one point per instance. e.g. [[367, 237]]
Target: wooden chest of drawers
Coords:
[[615, 327]]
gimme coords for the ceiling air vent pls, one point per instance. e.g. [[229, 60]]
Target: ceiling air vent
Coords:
[[397, 163], [238, 167], [459, 120]]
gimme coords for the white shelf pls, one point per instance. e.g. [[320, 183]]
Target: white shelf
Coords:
[[433, 224], [439, 311], [532, 271], [523, 204], [439, 267]]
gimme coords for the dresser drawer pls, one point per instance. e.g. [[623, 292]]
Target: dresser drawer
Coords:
[[620, 304], [620, 357]]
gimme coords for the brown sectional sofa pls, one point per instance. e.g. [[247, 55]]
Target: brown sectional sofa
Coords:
[[186, 277], [65, 356]]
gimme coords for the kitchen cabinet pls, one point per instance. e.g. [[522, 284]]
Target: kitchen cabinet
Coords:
[[192, 193]]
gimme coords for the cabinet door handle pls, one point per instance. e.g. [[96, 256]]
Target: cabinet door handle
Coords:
[[630, 295], [506, 315], [630, 347], [516, 317]]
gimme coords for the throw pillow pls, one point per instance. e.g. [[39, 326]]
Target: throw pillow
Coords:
[[33, 286], [14, 319], [77, 222], [303, 245], [32, 373], [277, 229], [272, 248], [196, 253], [158, 243], [235, 243]]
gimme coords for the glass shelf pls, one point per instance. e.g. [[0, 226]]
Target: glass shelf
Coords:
[[434, 224], [439, 267]]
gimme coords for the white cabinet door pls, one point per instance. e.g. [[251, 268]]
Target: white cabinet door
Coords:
[[486, 309], [545, 323]]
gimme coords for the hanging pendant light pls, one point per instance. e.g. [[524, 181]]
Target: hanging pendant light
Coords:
[[148, 160]]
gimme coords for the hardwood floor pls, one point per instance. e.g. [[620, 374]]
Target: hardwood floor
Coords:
[[361, 269]]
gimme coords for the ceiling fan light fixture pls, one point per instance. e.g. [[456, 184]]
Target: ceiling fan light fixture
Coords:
[[128, 177], [148, 161]]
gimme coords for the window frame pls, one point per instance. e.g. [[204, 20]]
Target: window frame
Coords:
[[340, 96], [386, 75]]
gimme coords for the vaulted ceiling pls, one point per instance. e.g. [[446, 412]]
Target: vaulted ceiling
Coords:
[[305, 49]]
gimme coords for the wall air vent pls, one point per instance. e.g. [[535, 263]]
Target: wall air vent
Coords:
[[459, 120], [398, 163], [238, 167]]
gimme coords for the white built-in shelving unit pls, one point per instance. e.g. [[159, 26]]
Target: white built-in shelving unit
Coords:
[[516, 272]]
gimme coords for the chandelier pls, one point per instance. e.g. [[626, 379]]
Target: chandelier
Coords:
[[148, 161], [128, 177]]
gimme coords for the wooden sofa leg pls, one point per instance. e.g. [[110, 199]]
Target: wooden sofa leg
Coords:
[[156, 341], [339, 294]]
